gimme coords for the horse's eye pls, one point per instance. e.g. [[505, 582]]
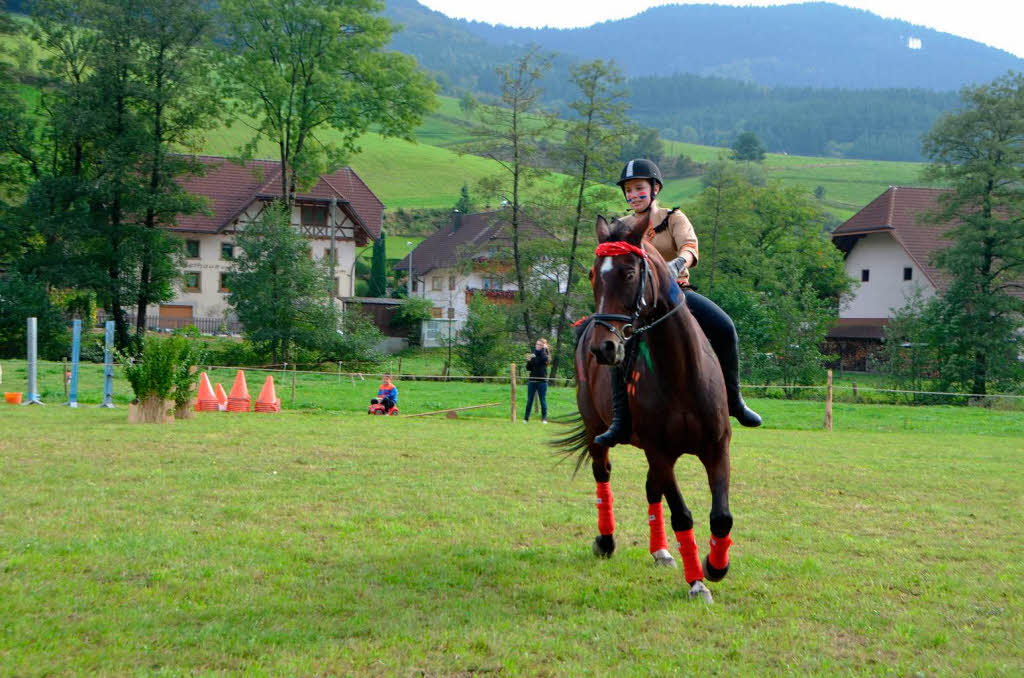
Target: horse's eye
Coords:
[[629, 274]]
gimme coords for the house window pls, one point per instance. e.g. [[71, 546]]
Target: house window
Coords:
[[908, 273], [451, 282], [435, 284], [415, 285], [227, 251], [492, 283], [437, 312], [192, 281], [451, 313], [225, 281], [192, 249], [314, 215], [327, 255], [864, 275]]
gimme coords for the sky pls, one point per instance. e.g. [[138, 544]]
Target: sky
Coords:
[[997, 23]]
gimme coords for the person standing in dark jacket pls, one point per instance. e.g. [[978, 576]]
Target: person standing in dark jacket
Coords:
[[537, 366]]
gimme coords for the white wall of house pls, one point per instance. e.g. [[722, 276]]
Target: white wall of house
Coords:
[[885, 288], [446, 288], [210, 300]]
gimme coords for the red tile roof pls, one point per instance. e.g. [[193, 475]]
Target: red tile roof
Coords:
[[898, 211], [472, 238], [230, 188]]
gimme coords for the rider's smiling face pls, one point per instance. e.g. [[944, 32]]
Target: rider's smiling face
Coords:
[[639, 194]]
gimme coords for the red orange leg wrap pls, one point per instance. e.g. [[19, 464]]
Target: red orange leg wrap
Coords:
[[605, 517], [656, 521], [692, 569], [718, 557]]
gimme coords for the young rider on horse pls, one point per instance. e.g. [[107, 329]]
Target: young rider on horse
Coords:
[[673, 236]]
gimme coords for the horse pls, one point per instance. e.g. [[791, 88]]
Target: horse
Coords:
[[676, 393]]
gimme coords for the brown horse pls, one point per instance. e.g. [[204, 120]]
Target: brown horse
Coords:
[[677, 399]]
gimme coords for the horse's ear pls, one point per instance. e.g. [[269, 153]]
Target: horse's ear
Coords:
[[639, 229], [603, 229]]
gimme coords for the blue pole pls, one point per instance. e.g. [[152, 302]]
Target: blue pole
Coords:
[[33, 394], [76, 345], [108, 367]]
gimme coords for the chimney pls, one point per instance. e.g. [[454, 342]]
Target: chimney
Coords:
[[456, 220]]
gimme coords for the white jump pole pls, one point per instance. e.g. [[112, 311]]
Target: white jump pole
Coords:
[[76, 345], [108, 367], [33, 393]]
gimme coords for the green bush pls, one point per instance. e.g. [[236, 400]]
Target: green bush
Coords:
[[21, 298], [154, 373], [485, 343]]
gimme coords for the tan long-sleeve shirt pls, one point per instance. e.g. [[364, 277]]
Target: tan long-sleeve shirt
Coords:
[[675, 241]]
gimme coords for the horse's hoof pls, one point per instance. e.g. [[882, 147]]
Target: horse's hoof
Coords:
[[713, 573], [604, 546], [698, 590], [663, 558]]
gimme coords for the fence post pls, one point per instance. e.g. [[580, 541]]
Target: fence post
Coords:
[[32, 397], [856, 398], [67, 376], [339, 371], [71, 378], [294, 367], [512, 381], [108, 366], [828, 401]]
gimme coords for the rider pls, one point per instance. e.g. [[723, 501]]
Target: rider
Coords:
[[673, 236]]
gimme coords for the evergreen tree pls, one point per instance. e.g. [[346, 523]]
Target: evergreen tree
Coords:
[[465, 203], [379, 269], [979, 151]]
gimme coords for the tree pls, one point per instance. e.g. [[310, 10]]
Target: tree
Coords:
[[297, 67], [21, 298], [508, 135], [379, 269], [485, 346], [979, 151], [644, 144], [748, 147], [465, 203], [592, 147], [468, 103], [280, 295]]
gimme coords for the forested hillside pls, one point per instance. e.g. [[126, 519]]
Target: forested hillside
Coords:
[[821, 50], [807, 45]]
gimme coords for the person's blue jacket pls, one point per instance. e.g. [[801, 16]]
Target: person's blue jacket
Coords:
[[385, 392]]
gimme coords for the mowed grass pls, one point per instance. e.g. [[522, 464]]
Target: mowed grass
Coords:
[[318, 542]]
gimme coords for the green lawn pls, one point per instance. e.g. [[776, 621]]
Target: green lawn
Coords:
[[332, 543]]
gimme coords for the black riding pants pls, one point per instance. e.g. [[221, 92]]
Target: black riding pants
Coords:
[[720, 331]]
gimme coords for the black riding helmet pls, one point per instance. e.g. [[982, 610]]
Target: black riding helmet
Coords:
[[640, 169]]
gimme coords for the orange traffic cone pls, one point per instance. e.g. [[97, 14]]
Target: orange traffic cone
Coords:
[[239, 400], [207, 401], [222, 398], [268, 400]]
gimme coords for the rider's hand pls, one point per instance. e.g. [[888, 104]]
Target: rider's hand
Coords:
[[677, 266]]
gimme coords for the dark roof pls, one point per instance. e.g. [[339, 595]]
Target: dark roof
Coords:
[[858, 328], [466, 236], [230, 187], [897, 212]]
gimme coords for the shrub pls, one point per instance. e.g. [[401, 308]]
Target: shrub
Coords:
[[485, 343]]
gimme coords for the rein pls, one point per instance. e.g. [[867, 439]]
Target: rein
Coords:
[[630, 331]]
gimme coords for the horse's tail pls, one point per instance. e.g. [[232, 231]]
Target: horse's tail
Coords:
[[574, 442]]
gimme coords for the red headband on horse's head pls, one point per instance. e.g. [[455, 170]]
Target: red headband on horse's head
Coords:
[[618, 248]]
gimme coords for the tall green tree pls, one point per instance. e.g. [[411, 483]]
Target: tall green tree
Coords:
[[465, 203], [979, 151], [508, 134], [176, 105], [379, 269], [296, 68], [592, 149], [748, 147], [280, 295]]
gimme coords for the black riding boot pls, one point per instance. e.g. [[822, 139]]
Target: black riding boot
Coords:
[[621, 428], [730, 362]]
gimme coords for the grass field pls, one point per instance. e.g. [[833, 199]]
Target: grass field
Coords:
[[332, 543]]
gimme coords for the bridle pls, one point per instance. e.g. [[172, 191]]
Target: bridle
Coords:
[[630, 331]]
